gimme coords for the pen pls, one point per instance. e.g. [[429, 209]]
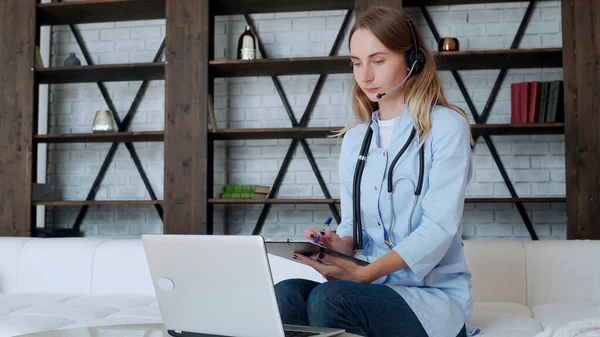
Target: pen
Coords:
[[327, 222]]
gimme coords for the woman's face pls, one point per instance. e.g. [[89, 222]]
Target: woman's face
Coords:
[[376, 68]]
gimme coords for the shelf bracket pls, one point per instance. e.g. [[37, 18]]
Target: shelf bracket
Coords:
[[303, 123], [482, 119]]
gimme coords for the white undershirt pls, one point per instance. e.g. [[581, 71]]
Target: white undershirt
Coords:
[[386, 128]]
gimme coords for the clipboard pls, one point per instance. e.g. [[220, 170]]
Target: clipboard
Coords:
[[286, 248]]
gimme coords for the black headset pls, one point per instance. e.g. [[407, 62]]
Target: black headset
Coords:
[[414, 58], [414, 53]]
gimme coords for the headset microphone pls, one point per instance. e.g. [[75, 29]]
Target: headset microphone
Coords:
[[398, 86], [389, 92]]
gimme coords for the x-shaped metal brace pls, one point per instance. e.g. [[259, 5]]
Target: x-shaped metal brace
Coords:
[[122, 126], [303, 122], [482, 119]]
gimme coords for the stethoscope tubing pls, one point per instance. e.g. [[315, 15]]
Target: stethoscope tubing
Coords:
[[360, 164]]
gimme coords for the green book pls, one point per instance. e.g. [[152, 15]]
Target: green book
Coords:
[[544, 102], [560, 103], [245, 189], [555, 108], [241, 195]]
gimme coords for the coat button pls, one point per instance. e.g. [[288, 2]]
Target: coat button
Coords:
[[375, 187]]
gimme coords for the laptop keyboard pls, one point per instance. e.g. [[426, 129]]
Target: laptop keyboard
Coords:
[[292, 333]]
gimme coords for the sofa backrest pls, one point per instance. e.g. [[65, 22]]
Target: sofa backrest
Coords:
[[121, 268], [528, 273], [498, 270], [56, 265], [563, 271], [10, 251], [74, 266]]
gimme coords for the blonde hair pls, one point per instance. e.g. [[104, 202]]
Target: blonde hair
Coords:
[[422, 90]]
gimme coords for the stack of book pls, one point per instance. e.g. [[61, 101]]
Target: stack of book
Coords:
[[244, 192], [537, 102]]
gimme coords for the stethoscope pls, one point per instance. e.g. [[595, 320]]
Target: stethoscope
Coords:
[[360, 164]]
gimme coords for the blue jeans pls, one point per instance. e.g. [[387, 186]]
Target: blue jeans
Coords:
[[372, 310]]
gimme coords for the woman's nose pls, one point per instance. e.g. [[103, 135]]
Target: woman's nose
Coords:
[[367, 75]]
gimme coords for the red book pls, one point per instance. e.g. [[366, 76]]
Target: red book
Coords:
[[535, 93], [523, 102], [514, 103]]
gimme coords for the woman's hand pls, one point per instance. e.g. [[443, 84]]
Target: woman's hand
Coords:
[[330, 240], [336, 268]]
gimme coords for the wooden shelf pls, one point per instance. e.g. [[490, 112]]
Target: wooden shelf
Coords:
[[324, 132], [499, 59], [96, 202], [281, 133], [274, 201], [229, 7], [512, 200], [459, 60], [518, 129], [63, 13], [76, 12], [281, 66], [273, 133], [337, 201], [414, 3], [104, 137], [462, 60], [102, 73]]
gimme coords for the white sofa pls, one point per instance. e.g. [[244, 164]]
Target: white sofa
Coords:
[[519, 288]]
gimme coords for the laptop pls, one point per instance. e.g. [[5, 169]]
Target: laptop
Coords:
[[218, 285]]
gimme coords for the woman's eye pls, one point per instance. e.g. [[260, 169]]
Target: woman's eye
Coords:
[[355, 64], [378, 62]]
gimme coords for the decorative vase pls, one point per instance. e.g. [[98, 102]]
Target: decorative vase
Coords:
[[104, 122], [246, 45], [448, 44], [72, 61]]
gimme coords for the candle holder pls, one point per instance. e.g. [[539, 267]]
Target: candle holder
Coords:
[[104, 122], [448, 44]]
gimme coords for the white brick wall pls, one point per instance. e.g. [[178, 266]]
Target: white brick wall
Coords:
[[535, 164]]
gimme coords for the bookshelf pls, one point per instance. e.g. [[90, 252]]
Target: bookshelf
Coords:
[[188, 200], [461, 60]]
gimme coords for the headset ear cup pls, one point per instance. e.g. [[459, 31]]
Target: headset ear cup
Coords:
[[408, 58], [420, 62]]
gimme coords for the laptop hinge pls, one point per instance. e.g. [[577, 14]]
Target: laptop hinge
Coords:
[[175, 333]]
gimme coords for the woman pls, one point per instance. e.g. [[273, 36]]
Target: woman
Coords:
[[417, 282]]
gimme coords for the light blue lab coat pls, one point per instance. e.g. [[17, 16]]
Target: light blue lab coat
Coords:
[[436, 284]]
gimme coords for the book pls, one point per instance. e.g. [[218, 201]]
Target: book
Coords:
[[514, 103], [212, 120], [544, 102], [523, 102], [533, 111], [39, 61], [555, 107], [242, 195], [245, 189]]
